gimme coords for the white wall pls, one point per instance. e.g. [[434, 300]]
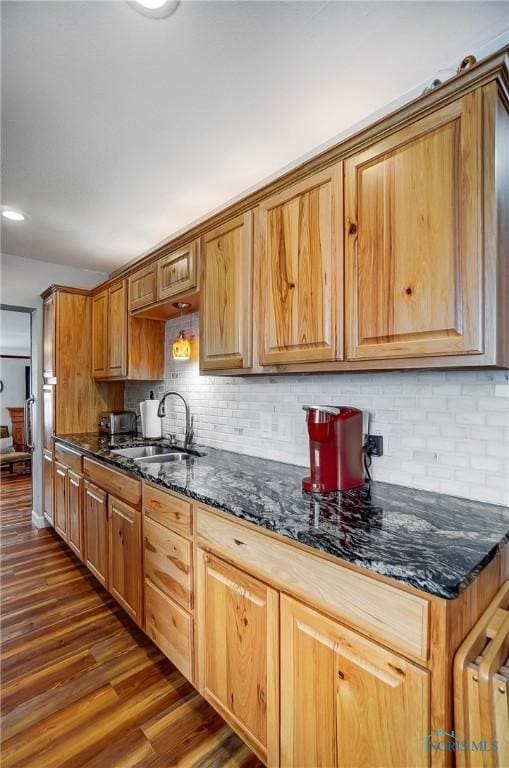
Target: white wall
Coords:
[[443, 431], [12, 374], [22, 282]]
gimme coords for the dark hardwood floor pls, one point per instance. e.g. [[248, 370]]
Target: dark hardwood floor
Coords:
[[81, 684]]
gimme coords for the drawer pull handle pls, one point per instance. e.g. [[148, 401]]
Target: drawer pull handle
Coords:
[[239, 543]]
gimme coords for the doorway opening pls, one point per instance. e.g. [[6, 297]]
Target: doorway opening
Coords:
[[16, 397]]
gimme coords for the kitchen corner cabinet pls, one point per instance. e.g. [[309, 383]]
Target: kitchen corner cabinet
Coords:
[[298, 257], [226, 295], [238, 620], [125, 557], [346, 701], [124, 347], [95, 531], [413, 218]]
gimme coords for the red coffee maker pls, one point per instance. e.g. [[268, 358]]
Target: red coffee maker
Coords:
[[335, 448]]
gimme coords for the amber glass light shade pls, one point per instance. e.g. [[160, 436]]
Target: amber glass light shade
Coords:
[[181, 347]]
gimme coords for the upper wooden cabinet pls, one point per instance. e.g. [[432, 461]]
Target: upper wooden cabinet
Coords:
[[124, 347], [48, 344], [413, 205], [238, 651], [226, 295], [143, 287], [176, 273], [299, 258], [345, 701], [117, 330], [100, 334]]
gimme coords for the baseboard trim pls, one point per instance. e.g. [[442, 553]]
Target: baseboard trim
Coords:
[[39, 521]]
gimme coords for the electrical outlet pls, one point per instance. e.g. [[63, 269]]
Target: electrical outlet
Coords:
[[375, 445]]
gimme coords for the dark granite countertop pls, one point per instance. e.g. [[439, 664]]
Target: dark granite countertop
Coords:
[[430, 541]]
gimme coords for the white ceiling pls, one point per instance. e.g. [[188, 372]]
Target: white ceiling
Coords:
[[14, 333], [119, 130]]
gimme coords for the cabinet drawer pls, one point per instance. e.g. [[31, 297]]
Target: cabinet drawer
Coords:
[[168, 509], [170, 627], [69, 457], [168, 559], [119, 484], [388, 614]]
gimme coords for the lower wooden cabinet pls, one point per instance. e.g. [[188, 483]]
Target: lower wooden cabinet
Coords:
[[47, 484], [171, 628], [125, 557], [237, 634], [346, 702], [60, 500], [75, 512], [95, 528]]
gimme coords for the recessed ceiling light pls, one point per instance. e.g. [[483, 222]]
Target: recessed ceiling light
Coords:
[[157, 9], [13, 215]]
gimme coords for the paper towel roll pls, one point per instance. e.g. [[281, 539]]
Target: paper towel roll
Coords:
[[151, 423]]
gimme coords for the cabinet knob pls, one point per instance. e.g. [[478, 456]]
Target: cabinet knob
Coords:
[[352, 229]]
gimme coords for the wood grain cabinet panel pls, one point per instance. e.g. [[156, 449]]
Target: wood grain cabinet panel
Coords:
[[75, 511], [168, 509], [226, 295], [177, 272], [100, 334], [95, 531], [299, 261], [47, 483], [117, 330], [60, 500], [171, 628], [143, 287], [48, 340], [237, 629], [112, 481], [413, 205], [345, 701], [168, 562], [125, 557]]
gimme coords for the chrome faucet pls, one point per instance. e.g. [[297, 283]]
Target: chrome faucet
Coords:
[[161, 412]]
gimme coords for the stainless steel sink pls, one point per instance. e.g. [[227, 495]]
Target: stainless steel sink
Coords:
[[165, 458], [142, 451]]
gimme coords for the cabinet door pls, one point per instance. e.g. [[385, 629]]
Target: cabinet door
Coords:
[[125, 556], [413, 205], [48, 415], [60, 499], [100, 334], [47, 482], [226, 295], [142, 287], [176, 273], [48, 336], [75, 511], [237, 629], [346, 702], [299, 258], [95, 531], [117, 330]]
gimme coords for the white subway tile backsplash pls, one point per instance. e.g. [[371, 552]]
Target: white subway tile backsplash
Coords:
[[443, 431]]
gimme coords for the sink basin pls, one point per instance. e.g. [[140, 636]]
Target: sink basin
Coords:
[[142, 451], [165, 458]]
